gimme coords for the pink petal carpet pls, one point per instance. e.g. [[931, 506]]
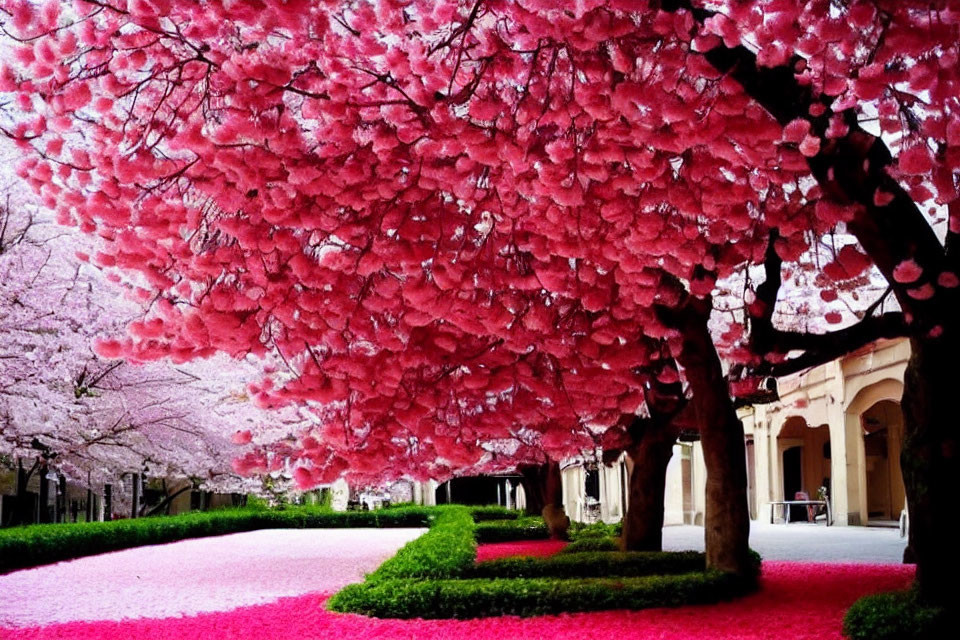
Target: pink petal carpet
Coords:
[[798, 601], [539, 548]]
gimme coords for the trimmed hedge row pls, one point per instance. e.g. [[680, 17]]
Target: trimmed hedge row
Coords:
[[592, 564], [493, 512], [592, 544], [448, 549], [522, 528], [422, 579], [475, 598], [897, 615]]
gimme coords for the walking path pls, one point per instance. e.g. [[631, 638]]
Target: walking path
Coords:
[[806, 542], [194, 576]]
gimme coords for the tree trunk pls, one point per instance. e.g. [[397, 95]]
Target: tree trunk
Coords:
[[558, 523], [727, 526], [61, 500], [23, 514], [533, 481], [43, 509], [643, 521], [931, 474], [553, 485], [107, 502], [135, 502], [543, 489]]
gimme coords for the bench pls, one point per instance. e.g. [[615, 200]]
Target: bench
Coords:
[[785, 504]]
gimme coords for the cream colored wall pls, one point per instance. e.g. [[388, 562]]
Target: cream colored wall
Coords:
[[612, 485], [611, 488], [673, 495], [835, 394], [573, 478]]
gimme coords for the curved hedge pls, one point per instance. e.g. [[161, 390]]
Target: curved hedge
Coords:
[[435, 576], [447, 549], [480, 597]]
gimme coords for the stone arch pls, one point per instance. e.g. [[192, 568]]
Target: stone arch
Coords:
[[869, 394], [803, 460], [874, 436]]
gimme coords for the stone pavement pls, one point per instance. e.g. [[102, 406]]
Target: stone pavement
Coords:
[[805, 542]]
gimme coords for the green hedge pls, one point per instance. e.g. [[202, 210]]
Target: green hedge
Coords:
[[898, 615], [34, 545], [435, 576], [521, 528], [593, 564], [493, 512], [532, 596], [448, 549], [592, 544], [580, 531]]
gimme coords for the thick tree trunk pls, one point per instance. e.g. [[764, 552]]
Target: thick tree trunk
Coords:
[[643, 521], [727, 522], [931, 473], [553, 485], [727, 513], [543, 489], [533, 481]]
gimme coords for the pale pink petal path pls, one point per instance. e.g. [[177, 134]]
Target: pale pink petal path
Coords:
[[194, 576], [799, 601]]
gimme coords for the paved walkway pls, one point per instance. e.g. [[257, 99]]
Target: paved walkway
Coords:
[[805, 542], [194, 576]]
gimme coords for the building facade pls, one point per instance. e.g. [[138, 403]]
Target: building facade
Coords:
[[837, 426]]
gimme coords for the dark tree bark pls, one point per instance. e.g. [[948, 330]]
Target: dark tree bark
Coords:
[[24, 514], [43, 508], [558, 523], [135, 502], [543, 490], [643, 521], [107, 502], [61, 499], [533, 481], [928, 459], [727, 525], [542, 486]]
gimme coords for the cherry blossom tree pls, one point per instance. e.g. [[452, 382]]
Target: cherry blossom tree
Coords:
[[454, 221], [91, 419]]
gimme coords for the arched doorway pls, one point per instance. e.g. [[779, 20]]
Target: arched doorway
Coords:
[[804, 461], [882, 437]]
